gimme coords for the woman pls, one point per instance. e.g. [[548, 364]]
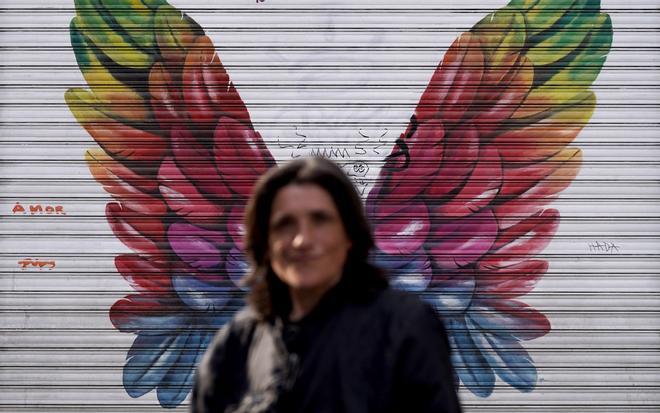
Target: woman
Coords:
[[322, 331]]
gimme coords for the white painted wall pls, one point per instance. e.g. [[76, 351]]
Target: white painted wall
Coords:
[[59, 349]]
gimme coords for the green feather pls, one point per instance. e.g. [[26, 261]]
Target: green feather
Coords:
[[585, 63], [175, 32], [108, 36], [503, 32], [134, 18]]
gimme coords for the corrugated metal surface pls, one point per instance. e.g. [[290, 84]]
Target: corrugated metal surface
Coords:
[[339, 79]]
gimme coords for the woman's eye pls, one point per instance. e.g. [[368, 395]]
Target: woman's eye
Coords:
[[282, 224], [321, 217]]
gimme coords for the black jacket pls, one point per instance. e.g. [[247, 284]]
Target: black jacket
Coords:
[[386, 352]]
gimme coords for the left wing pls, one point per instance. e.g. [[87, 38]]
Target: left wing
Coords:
[[459, 208], [179, 155]]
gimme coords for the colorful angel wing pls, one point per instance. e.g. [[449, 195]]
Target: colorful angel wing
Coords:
[[171, 129], [460, 208]]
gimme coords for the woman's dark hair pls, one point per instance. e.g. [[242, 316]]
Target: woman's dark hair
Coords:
[[269, 296]]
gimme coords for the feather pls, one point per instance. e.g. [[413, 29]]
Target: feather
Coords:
[[144, 275], [133, 191], [512, 281], [138, 232], [183, 197]]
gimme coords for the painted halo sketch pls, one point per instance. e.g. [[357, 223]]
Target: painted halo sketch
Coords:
[[459, 209]]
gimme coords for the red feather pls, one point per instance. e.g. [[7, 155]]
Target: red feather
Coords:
[[249, 156], [138, 232], [184, 199], [458, 243], [521, 241], [165, 97], [196, 162], [460, 155], [480, 190], [144, 275], [452, 87], [512, 281]]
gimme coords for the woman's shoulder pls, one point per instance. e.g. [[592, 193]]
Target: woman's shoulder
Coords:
[[236, 332], [405, 307], [401, 300]]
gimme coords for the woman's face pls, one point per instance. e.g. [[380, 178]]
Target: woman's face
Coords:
[[307, 242]]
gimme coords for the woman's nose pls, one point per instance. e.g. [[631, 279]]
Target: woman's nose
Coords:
[[303, 236]]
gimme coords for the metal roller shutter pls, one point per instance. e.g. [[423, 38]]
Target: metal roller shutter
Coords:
[[333, 78]]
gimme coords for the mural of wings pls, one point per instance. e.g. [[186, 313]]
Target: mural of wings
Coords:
[[459, 209]]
